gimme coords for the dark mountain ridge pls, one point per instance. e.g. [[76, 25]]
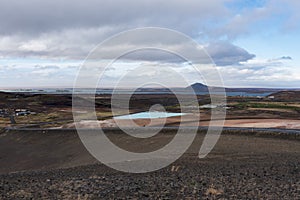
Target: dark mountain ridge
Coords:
[[200, 87]]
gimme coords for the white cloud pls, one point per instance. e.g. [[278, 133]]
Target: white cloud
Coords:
[[260, 72], [51, 31], [33, 46]]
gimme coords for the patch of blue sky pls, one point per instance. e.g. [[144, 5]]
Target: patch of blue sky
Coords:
[[240, 5]]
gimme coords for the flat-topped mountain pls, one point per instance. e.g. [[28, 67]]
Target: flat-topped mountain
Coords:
[[200, 87]]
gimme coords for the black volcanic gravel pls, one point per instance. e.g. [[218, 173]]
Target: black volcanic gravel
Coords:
[[239, 167], [265, 177]]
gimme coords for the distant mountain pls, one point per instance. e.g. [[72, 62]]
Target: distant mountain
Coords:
[[202, 88], [199, 87]]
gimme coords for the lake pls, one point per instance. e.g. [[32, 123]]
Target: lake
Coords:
[[149, 115], [110, 91]]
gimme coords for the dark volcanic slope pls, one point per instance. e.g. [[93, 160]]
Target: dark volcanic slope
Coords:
[[240, 167], [287, 96], [32, 150]]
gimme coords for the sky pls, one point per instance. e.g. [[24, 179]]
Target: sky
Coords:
[[253, 43]]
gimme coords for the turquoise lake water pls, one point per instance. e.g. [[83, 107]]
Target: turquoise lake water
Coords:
[[149, 115]]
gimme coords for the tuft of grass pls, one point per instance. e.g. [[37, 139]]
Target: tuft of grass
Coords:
[[212, 191]]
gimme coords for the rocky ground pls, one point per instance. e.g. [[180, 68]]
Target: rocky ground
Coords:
[[257, 179], [239, 167]]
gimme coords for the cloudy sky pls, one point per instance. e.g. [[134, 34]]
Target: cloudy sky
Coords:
[[252, 42]]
